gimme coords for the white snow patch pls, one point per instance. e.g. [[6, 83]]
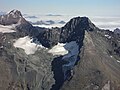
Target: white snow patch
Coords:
[[7, 29], [27, 44], [108, 36], [1, 47], [67, 49], [58, 49], [118, 61], [111, 56]]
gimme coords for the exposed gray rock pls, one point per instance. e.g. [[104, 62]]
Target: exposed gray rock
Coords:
[[13, 17], [117, 31], [96, 67]]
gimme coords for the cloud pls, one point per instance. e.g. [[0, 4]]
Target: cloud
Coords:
[[100, 21], [106, 22], [53, 15]]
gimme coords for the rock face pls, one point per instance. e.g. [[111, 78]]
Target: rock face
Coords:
[[92, 63], [117, 31], [98, 63]]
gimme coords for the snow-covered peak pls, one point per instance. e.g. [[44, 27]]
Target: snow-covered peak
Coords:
[[15, 13], [13, 17]]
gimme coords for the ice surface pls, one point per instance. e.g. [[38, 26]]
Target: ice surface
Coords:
[[72, 48]]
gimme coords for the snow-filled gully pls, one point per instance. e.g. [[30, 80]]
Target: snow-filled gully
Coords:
[[69, 51], [66, 57]]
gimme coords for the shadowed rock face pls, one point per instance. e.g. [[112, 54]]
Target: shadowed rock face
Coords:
[[98, 66], [74, 29]]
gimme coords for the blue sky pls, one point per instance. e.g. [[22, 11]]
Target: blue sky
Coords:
[[69, 7]]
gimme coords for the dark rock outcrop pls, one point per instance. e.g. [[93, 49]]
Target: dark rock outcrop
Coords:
[[117, 31], [75, 28]]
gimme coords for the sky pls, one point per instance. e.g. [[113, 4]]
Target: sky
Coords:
[[67, 7]]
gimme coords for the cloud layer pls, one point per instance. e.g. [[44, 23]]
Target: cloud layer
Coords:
[[101, 22]]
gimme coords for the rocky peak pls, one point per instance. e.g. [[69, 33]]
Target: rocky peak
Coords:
[[13, 17], [75, 28], [15, 13], [81, 22], [16, 19], [117, 31]]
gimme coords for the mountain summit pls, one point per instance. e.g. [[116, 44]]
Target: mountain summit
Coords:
[[15, 13], [13, 17]]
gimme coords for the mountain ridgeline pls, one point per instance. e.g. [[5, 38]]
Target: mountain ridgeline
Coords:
[[73, 31], [95, 66]]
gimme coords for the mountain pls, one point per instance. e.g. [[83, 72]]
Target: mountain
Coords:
[[12, 17], [49, 22], [77, 56], [30, 17], [117, 31], [53, 15], [62, 22]]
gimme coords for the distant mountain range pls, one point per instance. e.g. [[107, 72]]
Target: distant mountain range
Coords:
[[53, 15], [76, 56], [30, 17], [49, 22], [2, 13]]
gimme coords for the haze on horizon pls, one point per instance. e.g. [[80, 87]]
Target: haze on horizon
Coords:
[[67, 7]]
